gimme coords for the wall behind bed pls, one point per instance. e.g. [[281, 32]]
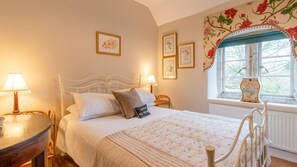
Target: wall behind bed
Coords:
[[43, 38]]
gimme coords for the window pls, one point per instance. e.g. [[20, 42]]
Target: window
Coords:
[[277, 68], [270, 60], [234, 60]]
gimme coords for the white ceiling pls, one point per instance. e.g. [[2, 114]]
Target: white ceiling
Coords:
[[165, 11]]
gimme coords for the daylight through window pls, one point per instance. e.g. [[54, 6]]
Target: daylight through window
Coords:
[[270, 60]]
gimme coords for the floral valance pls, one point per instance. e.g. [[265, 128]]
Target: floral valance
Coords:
[[279, 14]]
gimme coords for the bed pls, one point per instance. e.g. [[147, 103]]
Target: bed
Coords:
[[167, 137]]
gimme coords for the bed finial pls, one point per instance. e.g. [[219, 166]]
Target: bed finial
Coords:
[[139, 81], [61, 87], [210, 151], [265, 110]]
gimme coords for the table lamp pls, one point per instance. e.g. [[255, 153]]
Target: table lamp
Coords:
[[15, 83], [151, 80]]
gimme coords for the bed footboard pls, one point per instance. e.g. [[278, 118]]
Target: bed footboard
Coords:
[[255, 140]]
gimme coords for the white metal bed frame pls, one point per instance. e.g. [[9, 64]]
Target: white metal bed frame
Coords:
[[257, 134], [254, 140], [97, 83]]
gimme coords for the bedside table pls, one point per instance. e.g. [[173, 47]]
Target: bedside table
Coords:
[[24, 138], [163, 100], [52, 143]]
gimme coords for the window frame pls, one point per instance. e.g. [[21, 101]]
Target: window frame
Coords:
[[291, 76], [255, 71], [223, 65]]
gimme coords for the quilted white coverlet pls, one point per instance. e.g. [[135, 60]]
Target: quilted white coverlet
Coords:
[[166, 138], [81, 139], [176, 141]]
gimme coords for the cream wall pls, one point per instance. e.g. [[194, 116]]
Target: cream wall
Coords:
[[43, 38], [189, 91]]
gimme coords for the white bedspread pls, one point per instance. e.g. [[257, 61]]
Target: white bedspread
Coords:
[[81, 143], [83, 137]]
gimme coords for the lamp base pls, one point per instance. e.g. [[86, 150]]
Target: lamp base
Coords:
[[16, 112], [16, 104], [151, 88]]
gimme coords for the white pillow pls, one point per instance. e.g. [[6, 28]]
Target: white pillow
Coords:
[[146, 97], [72, 109], [122, 90], [92, 105]]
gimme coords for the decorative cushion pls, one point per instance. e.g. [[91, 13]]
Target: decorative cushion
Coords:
[[145, 96], [128, 100], [142, 111], [92, 105]]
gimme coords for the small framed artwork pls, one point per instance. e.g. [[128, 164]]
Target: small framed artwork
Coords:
[[169, 68], [186, 55], [108, 43], [169, 45], [250, 88]]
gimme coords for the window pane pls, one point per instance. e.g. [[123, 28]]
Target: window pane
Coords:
[[276, 85], [234, 62], [232, 68], [276, 48], [277, 66], [232, 84], [235, 53]]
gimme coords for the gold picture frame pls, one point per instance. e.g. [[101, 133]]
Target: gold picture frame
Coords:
[[169, 45], [186, 55], [169, 69], [108, 43]]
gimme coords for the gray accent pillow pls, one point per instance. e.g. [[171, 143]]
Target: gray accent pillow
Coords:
[[128, 100], [142, 111]]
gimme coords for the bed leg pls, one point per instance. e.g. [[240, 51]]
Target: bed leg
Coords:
[[210, 151]]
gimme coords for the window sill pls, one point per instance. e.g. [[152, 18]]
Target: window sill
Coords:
[[271, 106], [271, 99]]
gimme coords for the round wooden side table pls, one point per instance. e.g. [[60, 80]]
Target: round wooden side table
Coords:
[[24, 138]]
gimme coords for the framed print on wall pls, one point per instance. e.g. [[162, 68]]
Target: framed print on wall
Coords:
[[186, 55], [169, 45], [108, 43], [169, 68]]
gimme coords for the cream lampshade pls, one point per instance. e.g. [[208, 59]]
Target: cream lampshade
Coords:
[[152, 81], [15, 83]]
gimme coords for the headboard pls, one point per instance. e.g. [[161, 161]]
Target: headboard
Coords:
[[97, 83]]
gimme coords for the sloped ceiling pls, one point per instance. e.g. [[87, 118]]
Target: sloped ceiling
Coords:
[[165, 11]]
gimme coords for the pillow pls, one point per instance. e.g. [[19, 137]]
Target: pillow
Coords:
[[142, 111], [128, 101], [92, 105], [145, 96], [122, 90], [72, 109]]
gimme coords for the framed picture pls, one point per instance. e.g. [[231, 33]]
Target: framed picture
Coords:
[[250, 88], [108, 43], [169, 45], [169, 68], [186, 55]]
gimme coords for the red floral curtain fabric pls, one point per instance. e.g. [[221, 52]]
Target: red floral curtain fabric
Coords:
[[279, 14]]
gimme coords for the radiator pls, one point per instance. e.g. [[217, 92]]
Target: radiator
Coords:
[[282, 127]]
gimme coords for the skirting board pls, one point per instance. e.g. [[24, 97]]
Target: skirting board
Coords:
[[288, 156]]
